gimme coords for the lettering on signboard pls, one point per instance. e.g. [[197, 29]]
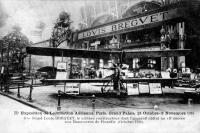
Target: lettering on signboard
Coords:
[[62, 65], [73, 88], [132, 89], [144, 88], [126, 24], [155, 88], [93, 32]]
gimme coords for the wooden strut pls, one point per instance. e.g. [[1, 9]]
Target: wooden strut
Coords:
[[62, 56]]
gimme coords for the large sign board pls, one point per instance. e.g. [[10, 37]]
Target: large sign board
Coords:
[[144, 88], [61, 75], [165, 75], [129, 23], [62, 65], [155, 88], [72, 88], [132, 89]]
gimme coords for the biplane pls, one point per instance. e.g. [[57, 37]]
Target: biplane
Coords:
[[115, 78]]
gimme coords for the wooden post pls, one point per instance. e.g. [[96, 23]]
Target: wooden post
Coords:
[[53, 61], [29, 64], [70, 75], [64, 87], [2, 67], [18, 90], [31, 89], [8, 73], [93, 102], [53, 57], [59, 96], [1, 82], [2, 57]]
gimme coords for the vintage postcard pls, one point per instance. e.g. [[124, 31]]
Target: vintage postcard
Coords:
[[99, 66]]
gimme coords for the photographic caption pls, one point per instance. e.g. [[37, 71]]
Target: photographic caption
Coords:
[[102, 117], [129, 117]]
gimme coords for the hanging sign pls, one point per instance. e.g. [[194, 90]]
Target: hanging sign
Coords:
[[155, 88]]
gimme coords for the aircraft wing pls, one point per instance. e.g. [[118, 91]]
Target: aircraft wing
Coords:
[[149, 80], [54, 81], [131, 80], [79, 53], [104, 54]]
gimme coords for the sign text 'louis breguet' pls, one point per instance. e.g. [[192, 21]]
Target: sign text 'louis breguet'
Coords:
[[130, 23]]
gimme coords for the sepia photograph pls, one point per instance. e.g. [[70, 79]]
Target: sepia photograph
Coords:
[[99, 66]]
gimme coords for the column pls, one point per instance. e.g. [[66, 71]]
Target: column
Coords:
[[101, 63], [181, 43], [83, 65], [170, 59], [163, 47]]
